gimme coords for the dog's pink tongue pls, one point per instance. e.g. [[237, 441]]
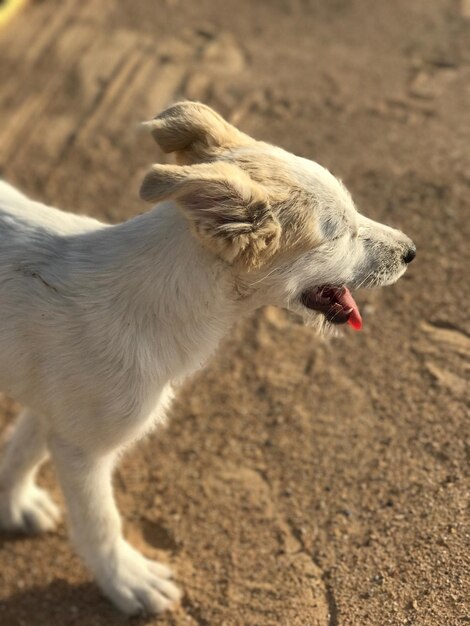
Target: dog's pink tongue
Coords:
[[348, 302]]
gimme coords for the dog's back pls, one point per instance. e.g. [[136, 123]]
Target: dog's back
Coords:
[[16, 208], [33, 237]]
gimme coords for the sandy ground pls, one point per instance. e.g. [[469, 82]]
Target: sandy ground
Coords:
[[299, 482]]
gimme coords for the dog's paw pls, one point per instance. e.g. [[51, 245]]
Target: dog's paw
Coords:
[[136, 584], [29, 511]]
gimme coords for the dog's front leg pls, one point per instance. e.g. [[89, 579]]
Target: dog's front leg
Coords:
[[134, 583]]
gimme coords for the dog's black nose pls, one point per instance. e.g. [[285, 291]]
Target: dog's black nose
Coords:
[[409, 254]]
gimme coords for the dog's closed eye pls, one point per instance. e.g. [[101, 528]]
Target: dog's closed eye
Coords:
[[333, 227]]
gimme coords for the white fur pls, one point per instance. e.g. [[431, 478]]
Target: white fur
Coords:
[[96, 324]]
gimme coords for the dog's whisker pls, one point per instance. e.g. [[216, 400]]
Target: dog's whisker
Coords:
[[364, 280], [263, 278]]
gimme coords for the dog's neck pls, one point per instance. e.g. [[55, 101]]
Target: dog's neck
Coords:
[[171, 300]]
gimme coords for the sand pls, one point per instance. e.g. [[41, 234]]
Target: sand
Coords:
[[298, 482]]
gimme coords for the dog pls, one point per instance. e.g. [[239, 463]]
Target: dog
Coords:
[[97, 322]]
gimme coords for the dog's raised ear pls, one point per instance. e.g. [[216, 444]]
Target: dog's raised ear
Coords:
[[194, 132], [228, 211]]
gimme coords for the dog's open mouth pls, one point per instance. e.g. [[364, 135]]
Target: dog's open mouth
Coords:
[[336, 304]]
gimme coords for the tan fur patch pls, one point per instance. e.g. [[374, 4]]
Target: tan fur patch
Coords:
[[194, 132], [228, 211], [290, 203], [219, 196]]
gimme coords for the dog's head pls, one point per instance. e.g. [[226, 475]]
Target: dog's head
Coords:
[[285, 226]]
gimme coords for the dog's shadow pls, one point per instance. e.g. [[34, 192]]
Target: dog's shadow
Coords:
[[64, 604], [59, 602]]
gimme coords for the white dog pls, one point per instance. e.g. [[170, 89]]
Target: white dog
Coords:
[[97, 321]]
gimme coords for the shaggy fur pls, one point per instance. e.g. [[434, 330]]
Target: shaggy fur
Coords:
[[98, 321]]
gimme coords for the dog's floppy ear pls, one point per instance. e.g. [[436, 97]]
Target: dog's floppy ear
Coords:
[[228, 211], [194, 132]]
